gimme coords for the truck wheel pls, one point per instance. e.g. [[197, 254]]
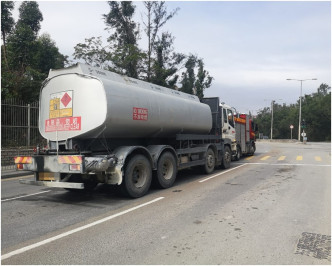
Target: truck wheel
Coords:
[[252, 148], [226, 160], [238, 153], [210, 161], [167, 170], [137, 176]]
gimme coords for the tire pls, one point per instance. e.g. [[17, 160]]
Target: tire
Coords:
[[252, 148], [226, 160], [137, 176], [166, 171], [238, 154], [210, 161]]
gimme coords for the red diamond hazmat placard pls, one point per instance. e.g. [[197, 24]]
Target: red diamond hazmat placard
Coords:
[[61, 113], [65, 100]]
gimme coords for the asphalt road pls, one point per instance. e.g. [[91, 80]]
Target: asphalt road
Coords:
[[272, 208]]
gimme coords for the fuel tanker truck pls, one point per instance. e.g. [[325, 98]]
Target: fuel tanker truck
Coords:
[[103, 127]]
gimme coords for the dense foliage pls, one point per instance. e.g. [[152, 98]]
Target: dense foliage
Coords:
[[157, 63], [26, 58], [316, 111]]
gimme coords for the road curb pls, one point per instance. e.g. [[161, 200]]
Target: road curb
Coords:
[[5, 175]]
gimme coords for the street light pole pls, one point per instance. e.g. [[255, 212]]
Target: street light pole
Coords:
[[272, 103], [300, 113]]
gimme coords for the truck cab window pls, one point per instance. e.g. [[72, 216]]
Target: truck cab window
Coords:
[[230, 117], [224, 115]]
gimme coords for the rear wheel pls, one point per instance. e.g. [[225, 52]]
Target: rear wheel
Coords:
[[226, 160], [210, 161], [238, 153], [252, 148], [167, 170], [137, 176]]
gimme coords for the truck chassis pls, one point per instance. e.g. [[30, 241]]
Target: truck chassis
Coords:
[[132, 167]]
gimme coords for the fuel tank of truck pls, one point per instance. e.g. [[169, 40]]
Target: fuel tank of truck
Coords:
[[87, 102]]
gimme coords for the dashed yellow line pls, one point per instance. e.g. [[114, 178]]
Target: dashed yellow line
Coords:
[[265, 158], [299, 158], [283, 158], [317, 158]]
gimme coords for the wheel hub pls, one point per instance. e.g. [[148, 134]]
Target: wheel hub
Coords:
[[139, 176], [167, 170]]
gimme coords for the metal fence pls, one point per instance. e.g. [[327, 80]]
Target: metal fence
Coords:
[[19, 124], [19, 128]]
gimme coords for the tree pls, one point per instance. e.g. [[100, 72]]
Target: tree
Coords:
[[47, 55], [21, 46], [29, 57], [323, 89], [93, 52], [188, 77], [30, 16], [203, 79], [159, 64], [22, 41], [125, 54], [316, 111], [193, 83], [166, 62], [157, 17], [7, 24]]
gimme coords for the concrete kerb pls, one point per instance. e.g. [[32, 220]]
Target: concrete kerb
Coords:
[[14, 173], [279, 140]]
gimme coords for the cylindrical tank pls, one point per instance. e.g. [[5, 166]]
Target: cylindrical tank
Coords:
[[86, 102]]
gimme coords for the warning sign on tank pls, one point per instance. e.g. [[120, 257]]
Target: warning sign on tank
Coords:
[[63, 124], [61, 104], [140, 114]]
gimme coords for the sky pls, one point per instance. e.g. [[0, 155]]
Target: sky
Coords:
[[249, 48]]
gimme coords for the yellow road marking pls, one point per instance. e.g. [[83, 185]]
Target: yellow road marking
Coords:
[[299, 158], [265, 158], [317, 158], [249, 158], [281, 158]]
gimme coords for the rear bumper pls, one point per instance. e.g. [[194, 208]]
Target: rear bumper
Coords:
[[56, 171], [51, 163], [53, 184], [70, 164]]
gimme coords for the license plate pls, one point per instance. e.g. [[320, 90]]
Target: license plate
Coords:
[[46, 176]]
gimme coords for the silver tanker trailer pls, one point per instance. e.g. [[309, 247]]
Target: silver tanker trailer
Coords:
[[102, 127]]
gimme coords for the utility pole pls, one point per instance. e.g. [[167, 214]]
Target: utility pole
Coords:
[[272, 103], [300, 113]]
